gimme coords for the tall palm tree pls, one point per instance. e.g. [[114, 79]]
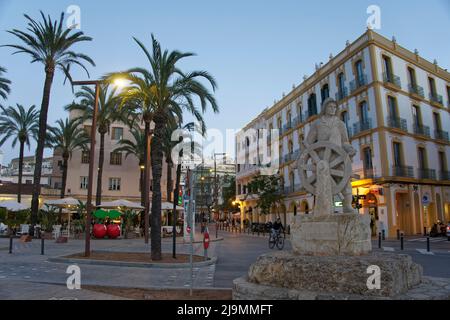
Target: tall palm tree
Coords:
[[48, 42], [136, 147], [108, 113], [67, 136], [22, 126], [4, 84], [169, 92]]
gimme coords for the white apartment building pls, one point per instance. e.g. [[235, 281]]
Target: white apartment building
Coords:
[[397, 109], [121, 174]]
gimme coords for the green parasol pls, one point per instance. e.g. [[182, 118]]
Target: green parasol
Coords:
[[101, 214], [114, 214]]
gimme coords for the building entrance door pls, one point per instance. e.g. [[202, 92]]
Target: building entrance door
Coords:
[[404, 214]]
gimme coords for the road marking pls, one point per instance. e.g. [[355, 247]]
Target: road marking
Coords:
[[425, 239], [388, 249], [424, 251]]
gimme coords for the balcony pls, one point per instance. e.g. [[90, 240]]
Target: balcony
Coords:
[[427, 174], [342, 95], [416, 89], [288, 126], [291, 156], [441, 135], [358, 83], [436, 98], [362, 126], [392, 79], [293, 188], [422, 130], [403, 171], [369, 173], [397, 123], [444, 175]]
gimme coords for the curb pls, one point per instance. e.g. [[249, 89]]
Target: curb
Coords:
[[133, 264]]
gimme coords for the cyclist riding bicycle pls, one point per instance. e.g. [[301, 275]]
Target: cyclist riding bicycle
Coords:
[[277, 227]]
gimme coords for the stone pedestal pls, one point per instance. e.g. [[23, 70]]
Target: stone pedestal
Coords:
[[328, 235]]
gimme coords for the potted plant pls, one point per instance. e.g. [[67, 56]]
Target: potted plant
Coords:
[[47, 219]]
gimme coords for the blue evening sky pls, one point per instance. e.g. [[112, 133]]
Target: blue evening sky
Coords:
[[256, 49]]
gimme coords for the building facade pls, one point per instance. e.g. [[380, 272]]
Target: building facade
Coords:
[[121, 173], [396, 106]]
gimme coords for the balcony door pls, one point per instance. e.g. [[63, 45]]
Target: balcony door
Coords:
[[363, 113]]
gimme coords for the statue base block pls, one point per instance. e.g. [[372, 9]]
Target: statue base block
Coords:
[[329, 235], [286, 276]]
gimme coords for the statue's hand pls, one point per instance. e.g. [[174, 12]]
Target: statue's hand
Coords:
[[350, 150]]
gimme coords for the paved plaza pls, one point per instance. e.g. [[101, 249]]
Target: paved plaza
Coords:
[[26, 274]]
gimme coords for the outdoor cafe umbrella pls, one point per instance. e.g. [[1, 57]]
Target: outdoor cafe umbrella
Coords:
[[13, 206], [65, 203], [102, 214], [125, 204]]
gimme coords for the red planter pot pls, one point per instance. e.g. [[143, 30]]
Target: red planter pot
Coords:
[[99, 231], [113, 231]]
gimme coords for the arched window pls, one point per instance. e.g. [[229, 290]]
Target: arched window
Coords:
[[292, 181], [341, 86], [290, 147], [299, 112], [359, 73]]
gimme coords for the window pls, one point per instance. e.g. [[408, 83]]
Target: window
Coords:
[[28, 181], [239, 189], [437, 121], [387, 68], [60, 163], [341, 85], [363, 113], [421, 158], [291, 147], [392, 102], [279, 123], [416, 116], [325, 92], [344, 118], [289, 119], [442, 161], [299, 112], [448, 96], [432, 84], [292, 181], [116, 159], [359, 73], [368, 165], [114, 184], [397, 154], [85, 155], [412, 77], [83, 183], [117, 133], [312, 105]]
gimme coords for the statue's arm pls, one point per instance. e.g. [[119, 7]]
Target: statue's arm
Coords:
[[312, 134], [345, 140]]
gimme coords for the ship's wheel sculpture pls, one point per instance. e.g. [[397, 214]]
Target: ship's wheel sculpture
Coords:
[[339, 164]]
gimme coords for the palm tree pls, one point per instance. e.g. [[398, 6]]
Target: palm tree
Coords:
[[22, 126], [48, 42], [136, 148], [4, 84], [168, 91], [67, 136], [108, 113]]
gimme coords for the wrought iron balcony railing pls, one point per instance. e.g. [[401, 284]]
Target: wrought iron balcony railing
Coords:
[[403, 171], [398, 123], [359, 82], [427, 174], [416, 89], [441, 135], [436, 98], [342, 94], [392, 79], [422, 130], [362, 126], [444, 175]]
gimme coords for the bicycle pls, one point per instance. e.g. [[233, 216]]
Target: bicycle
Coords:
[[276, 239]]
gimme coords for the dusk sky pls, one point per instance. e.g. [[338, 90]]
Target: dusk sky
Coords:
[[255, 49]]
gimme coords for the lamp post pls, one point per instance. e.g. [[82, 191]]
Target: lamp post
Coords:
[[96, 83], [216, 190]]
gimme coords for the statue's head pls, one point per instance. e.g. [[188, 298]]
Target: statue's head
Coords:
[[329, 107]]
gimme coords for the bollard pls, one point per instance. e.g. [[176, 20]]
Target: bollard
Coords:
[[424, 231], [428, 243], [42, 246], [401, 241], [10, 244], [383, 235], [398, 234], [379, 240]]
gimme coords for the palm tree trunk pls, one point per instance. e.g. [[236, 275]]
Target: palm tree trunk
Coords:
[[64, 177], [142, 181], [157, 159], [49, 74], [19, 183], [101, 159], [176, 194], [146, 185]]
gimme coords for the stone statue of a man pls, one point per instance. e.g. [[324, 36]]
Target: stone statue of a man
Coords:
[[329, 128]]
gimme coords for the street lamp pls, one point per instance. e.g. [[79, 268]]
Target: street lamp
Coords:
[[216, 191], [96, 83]]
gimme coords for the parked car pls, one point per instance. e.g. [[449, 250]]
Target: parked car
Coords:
[[448, 231]]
